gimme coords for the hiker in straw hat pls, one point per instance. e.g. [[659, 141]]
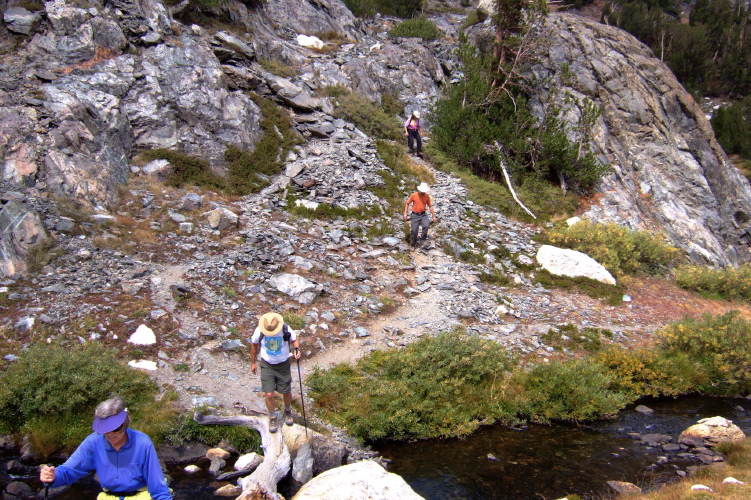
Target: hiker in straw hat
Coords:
[[420, 201], [273, 338]]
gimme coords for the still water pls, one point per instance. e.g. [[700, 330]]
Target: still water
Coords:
[[539, 462], [544, 462]]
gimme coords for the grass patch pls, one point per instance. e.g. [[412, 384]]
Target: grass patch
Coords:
[[39, 255], [417, 27], [325, 211], [278, 68], [612, 294], [495, 277], [620, 250], [725, 284], [294, 320], [571, 337], [367, 115]]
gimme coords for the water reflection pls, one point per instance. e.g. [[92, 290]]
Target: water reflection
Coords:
[[553, 461]]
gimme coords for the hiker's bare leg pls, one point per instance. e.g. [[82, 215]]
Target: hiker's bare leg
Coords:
[[287, 399], [270, 403]]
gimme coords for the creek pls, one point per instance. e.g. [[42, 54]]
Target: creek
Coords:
[[539, 461], [557, 460]]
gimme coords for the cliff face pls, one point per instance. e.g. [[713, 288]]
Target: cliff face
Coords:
[[83, 89], [669, 172]]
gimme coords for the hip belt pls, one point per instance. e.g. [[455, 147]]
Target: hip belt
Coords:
[[419, 213]]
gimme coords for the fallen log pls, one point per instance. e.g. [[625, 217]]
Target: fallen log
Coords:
[[261, 484]]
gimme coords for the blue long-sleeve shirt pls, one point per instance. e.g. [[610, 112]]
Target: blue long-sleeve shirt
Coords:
[[133, 467]]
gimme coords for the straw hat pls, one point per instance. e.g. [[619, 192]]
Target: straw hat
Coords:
[[423, 188], [271, 323]]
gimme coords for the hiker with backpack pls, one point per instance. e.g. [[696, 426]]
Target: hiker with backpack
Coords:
[[413, 131], [419, 219], [124, 459], [273, 338]]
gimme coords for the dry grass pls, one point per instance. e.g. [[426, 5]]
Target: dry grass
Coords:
[[738, 466]]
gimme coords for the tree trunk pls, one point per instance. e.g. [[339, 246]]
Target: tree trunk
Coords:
[[261, 484]]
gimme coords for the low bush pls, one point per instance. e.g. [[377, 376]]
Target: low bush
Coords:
[[649, 372], [612, 294], [727, 284], [186, 169], [418, 27], [52, 387], [718, 347], [620, 250], [185, 429], [567, 391], [439, 386], [278, 68], [544, 200], [250, 172]]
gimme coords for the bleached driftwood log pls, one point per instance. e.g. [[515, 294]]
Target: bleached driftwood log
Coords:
[[261, 484]]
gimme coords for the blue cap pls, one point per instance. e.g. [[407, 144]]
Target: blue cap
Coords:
[[109, 424]]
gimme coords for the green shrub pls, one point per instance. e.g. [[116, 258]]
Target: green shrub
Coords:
[[718, 346], [649, 372], [620, 250], [250, 172], [418, 27], [365, 114], [439, 386], [569, 391], [613, 294], [543, 199], [187, 170], [243, 439], [51, 387], [728, 283], [495, 277]]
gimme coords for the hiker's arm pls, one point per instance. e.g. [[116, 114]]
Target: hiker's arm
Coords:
[[432, 209], [406, 207], [253, 356], [296, 345]]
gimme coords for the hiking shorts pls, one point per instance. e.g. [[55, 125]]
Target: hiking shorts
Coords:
[[141, 494], [276, 377]]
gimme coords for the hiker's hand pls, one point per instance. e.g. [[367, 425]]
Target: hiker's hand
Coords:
[[47, 474], [405, 217], [253, 368], [297, 353]]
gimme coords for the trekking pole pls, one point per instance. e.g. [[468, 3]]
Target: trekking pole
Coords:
[[302, 398], [46, 489]]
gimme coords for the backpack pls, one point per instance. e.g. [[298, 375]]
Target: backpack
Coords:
[[286, 335]]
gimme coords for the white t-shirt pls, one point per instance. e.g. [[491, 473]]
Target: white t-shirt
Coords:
[[274, 349]]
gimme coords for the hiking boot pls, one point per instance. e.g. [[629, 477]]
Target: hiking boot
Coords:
[[273, 426], [288, 418]]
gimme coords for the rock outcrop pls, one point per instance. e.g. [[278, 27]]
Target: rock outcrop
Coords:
[[669, 172]]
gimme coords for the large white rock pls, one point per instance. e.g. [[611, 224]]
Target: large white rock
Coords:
[[310, 41], [565, 262], [295, 286], [358, 481], [143, 336], [142, 364]]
